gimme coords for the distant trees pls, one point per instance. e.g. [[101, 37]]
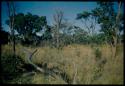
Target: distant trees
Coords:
[[89, 20], [79, 35], [62, 32]]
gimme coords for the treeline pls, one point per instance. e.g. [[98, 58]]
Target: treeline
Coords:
[[63, 32]]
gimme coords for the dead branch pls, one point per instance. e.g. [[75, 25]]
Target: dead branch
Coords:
[[42, 70], [30, 62]]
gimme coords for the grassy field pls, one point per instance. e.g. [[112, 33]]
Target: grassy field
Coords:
[[86, 64]]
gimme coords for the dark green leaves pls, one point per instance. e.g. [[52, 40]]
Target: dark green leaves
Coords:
[[84, 15], [28, 24]]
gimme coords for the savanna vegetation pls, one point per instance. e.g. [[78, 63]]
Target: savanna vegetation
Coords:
[[64, 53]]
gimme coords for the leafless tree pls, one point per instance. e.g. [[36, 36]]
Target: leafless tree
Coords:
[[90, 24], [11, 14], [58, 17]]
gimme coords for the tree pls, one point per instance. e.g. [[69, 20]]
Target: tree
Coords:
[[58, 17], [66, 35], [47, 35], [28, 25], [117, 27], [110, 22], [89, 20], [11, 14], [79, 35]]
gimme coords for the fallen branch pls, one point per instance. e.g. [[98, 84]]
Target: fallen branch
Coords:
[[30, 62], [53, 73]]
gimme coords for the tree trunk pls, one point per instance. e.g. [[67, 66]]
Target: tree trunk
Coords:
[[115, 38], [58, 21], [11, 12], [57, 39]]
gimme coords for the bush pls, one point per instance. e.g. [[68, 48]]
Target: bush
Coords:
[[11, 66]]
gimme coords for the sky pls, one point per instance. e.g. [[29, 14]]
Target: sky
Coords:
[[48, 9]]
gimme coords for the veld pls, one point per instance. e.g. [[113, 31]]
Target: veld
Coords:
[[82, 63]]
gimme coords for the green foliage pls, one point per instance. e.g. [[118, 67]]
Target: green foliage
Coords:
[[27, 25], [106, 16], [47, 35], [98, 38], [84, 15]]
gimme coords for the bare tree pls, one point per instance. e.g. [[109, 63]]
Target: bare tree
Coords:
[[11, 14], [89, 21], [58, 17]]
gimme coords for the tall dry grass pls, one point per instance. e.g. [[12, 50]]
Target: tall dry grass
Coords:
[[75, 59]]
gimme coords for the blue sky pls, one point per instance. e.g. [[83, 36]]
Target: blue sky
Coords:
[[47, 9]]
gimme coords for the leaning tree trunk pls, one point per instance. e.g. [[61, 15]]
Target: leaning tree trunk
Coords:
[[115, 38]]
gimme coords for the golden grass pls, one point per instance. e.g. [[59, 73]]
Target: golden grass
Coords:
[[84, 59]]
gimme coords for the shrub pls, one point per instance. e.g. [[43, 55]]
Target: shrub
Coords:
[[11, 66]]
